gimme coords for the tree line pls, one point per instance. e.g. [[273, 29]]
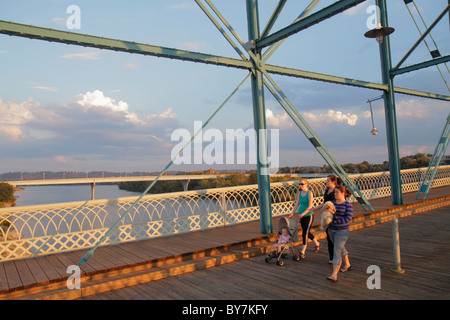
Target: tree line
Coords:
[[418, 160], [237, 178]]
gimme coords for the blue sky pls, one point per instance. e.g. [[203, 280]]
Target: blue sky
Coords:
[[66, 108]]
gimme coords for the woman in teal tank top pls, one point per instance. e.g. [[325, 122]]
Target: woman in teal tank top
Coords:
[[303, 206]]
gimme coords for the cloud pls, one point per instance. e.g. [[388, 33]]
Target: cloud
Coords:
[[130, 66], [356, 9], [60, 159], [278, 121], [164, 115], [412, 109], [193, 46], [406, 150], [97, 101], [89, 55], [92, 130], [14, 115], [332, 116], [59, 20], [51, 89], [182, 6]]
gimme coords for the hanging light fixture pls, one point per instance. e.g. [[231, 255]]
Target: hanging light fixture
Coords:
[[379, 33], [374, 130]]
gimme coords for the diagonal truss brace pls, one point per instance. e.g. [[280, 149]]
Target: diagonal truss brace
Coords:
[[289, 108], [305, 23], [433, 166], [315, 141], [422, 37]]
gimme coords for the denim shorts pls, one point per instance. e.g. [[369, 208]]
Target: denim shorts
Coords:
[[339, 238]]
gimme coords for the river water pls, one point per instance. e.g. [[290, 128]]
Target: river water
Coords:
[[36, 195]]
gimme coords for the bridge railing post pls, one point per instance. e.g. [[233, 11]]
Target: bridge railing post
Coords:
[[93, 191]]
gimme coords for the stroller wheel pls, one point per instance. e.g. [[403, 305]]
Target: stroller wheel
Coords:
[[268, 260], [280, 263]]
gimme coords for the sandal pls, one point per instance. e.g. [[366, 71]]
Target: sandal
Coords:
[[317, 248], [346, 269], [331, 279]]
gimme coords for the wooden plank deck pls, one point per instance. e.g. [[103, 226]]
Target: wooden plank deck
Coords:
[[424, 241], [31, 275]]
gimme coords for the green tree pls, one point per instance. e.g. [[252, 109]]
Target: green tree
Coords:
[[6, 194]]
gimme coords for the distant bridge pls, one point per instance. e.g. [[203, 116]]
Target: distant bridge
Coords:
[[93, 181]]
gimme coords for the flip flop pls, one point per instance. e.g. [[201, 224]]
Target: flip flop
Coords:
[[331, 279], [347, 269]]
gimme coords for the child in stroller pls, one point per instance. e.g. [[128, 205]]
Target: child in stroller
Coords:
[[288, 233]]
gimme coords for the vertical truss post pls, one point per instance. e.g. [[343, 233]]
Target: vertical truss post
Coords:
[[390, 112], [259, 116]]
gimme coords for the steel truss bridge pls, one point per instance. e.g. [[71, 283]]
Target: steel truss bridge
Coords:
[[254, 58]]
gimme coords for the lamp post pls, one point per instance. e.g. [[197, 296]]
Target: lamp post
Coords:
[[381, 34]]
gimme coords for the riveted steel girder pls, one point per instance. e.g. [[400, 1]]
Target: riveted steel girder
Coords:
[[307, 22], [33, 32]]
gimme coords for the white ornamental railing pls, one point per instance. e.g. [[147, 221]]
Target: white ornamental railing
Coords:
[[46, 229]]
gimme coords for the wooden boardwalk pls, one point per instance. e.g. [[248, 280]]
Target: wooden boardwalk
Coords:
[[424, 241], [117, 266]]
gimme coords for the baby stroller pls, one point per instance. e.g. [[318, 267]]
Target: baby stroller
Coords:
[[288, 247]]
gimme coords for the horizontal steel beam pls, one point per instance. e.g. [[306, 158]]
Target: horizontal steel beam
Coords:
[[349, 82], [33, 32], [307, 22], [421, 65]]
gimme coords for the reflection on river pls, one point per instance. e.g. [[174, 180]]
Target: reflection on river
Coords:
[[35, 195]]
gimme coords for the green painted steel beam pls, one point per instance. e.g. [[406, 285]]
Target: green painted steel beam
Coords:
[[422, 37], [390, 111], [273, 18], [349, 82], [259, 117], [309, 21], [216, 23], [33, 32], [315, 141], [275, 46], [232, 30], [421, 65]]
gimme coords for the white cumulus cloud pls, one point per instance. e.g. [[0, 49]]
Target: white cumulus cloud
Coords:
[[88, 55], [98, 101], [278, 121], [332, 116], [13, 115]]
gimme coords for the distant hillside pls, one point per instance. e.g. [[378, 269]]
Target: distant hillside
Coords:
[[414, 161]]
